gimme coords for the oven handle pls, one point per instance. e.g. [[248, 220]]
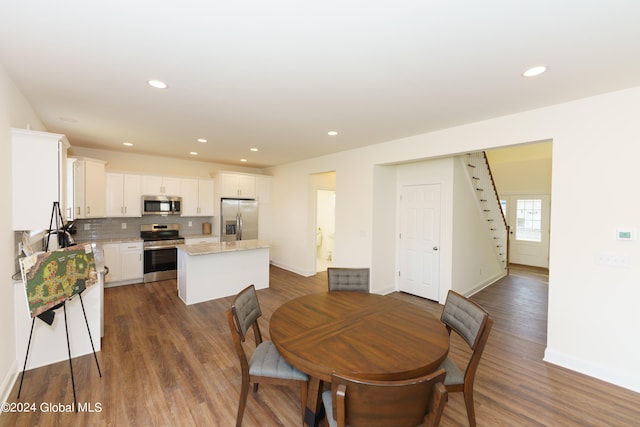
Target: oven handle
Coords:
[[149, 248]]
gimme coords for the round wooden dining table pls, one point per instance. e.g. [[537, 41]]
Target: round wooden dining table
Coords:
[[366, 335]]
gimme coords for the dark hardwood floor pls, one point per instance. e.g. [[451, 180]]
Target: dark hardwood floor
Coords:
[[166, 364]]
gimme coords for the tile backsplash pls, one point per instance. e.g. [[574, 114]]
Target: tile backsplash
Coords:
[[112, 228]]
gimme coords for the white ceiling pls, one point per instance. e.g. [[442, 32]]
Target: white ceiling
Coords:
[[277, 75]]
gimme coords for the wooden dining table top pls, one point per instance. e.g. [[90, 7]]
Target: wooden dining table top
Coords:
[[368, 335]]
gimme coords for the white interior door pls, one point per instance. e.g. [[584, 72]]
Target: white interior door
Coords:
[[528, 218], [420, 240]]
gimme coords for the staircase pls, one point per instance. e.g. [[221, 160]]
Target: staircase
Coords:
[[489, 204]]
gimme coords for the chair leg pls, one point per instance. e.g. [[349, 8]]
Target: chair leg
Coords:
[[244, 391], [468, 402], [303, 399]]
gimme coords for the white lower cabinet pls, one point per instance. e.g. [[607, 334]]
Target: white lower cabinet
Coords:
[[125, 263]]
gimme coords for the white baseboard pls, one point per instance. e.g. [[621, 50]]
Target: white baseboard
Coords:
[[305, 273], [8, 381], [485, 283], [604, 373]]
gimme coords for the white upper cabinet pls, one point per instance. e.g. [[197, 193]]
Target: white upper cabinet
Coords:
[[39, 161], [236, 185], [263, 189], [123, 195], [89, 188], [197, 197], [160, 185]]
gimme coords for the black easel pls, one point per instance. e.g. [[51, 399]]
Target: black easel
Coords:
[[48, 315]]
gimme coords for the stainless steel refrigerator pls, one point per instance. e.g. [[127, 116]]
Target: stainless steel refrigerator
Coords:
[[238, 219]]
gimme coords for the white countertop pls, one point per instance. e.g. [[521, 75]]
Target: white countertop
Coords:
[[222, 247]]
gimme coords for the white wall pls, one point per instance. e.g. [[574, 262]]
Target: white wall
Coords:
[[474, 263], [524, 169], [14, 112], [593, 313], [524, 177]]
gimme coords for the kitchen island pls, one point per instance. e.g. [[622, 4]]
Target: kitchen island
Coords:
[[208, 271]]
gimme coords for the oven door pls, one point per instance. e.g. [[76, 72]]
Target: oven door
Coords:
[[160, 263]]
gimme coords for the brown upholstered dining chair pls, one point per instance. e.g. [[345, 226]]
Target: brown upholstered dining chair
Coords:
[[408, 403], [265, 365], [473, 324], [348, 279]]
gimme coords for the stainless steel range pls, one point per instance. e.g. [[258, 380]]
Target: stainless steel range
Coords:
[[160, 253]]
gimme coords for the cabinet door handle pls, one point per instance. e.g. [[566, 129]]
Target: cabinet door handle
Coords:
[[88, 210], [125, 209]]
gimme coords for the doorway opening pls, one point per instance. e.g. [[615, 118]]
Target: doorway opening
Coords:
[[325, 228], [522, 175]]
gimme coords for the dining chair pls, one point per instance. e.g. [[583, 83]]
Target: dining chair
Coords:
[[473, 324], [265, 365], [348, 279], [406, 403]]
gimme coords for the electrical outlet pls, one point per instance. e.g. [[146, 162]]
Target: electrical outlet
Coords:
[[190, 223], [87, 226], [124, 225]]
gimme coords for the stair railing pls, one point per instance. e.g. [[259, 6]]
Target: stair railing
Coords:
[[489, 203]]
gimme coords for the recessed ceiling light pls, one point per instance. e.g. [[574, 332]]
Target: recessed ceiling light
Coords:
[[157, 84], [193, 153], [243, 160], [535, 71], [332, 133], [201, 140], [253, 149], [128, 144]]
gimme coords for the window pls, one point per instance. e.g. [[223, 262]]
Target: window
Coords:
[[529, 220]]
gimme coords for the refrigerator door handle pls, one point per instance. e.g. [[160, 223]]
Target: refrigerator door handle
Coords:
[[239, 226]]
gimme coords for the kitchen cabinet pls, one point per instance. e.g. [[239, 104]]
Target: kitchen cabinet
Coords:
[[123, 195], [197, 197], [266, 216], [263, 189], [160, 186], [236, 185], [39, 170], [125, 263], [89, 188]]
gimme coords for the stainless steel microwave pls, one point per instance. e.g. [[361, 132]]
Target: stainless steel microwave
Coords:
[[161, 205]]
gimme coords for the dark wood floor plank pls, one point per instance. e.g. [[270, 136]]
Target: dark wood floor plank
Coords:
[[165, 363]]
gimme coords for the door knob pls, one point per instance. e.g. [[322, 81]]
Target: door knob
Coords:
[[435, 248]]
